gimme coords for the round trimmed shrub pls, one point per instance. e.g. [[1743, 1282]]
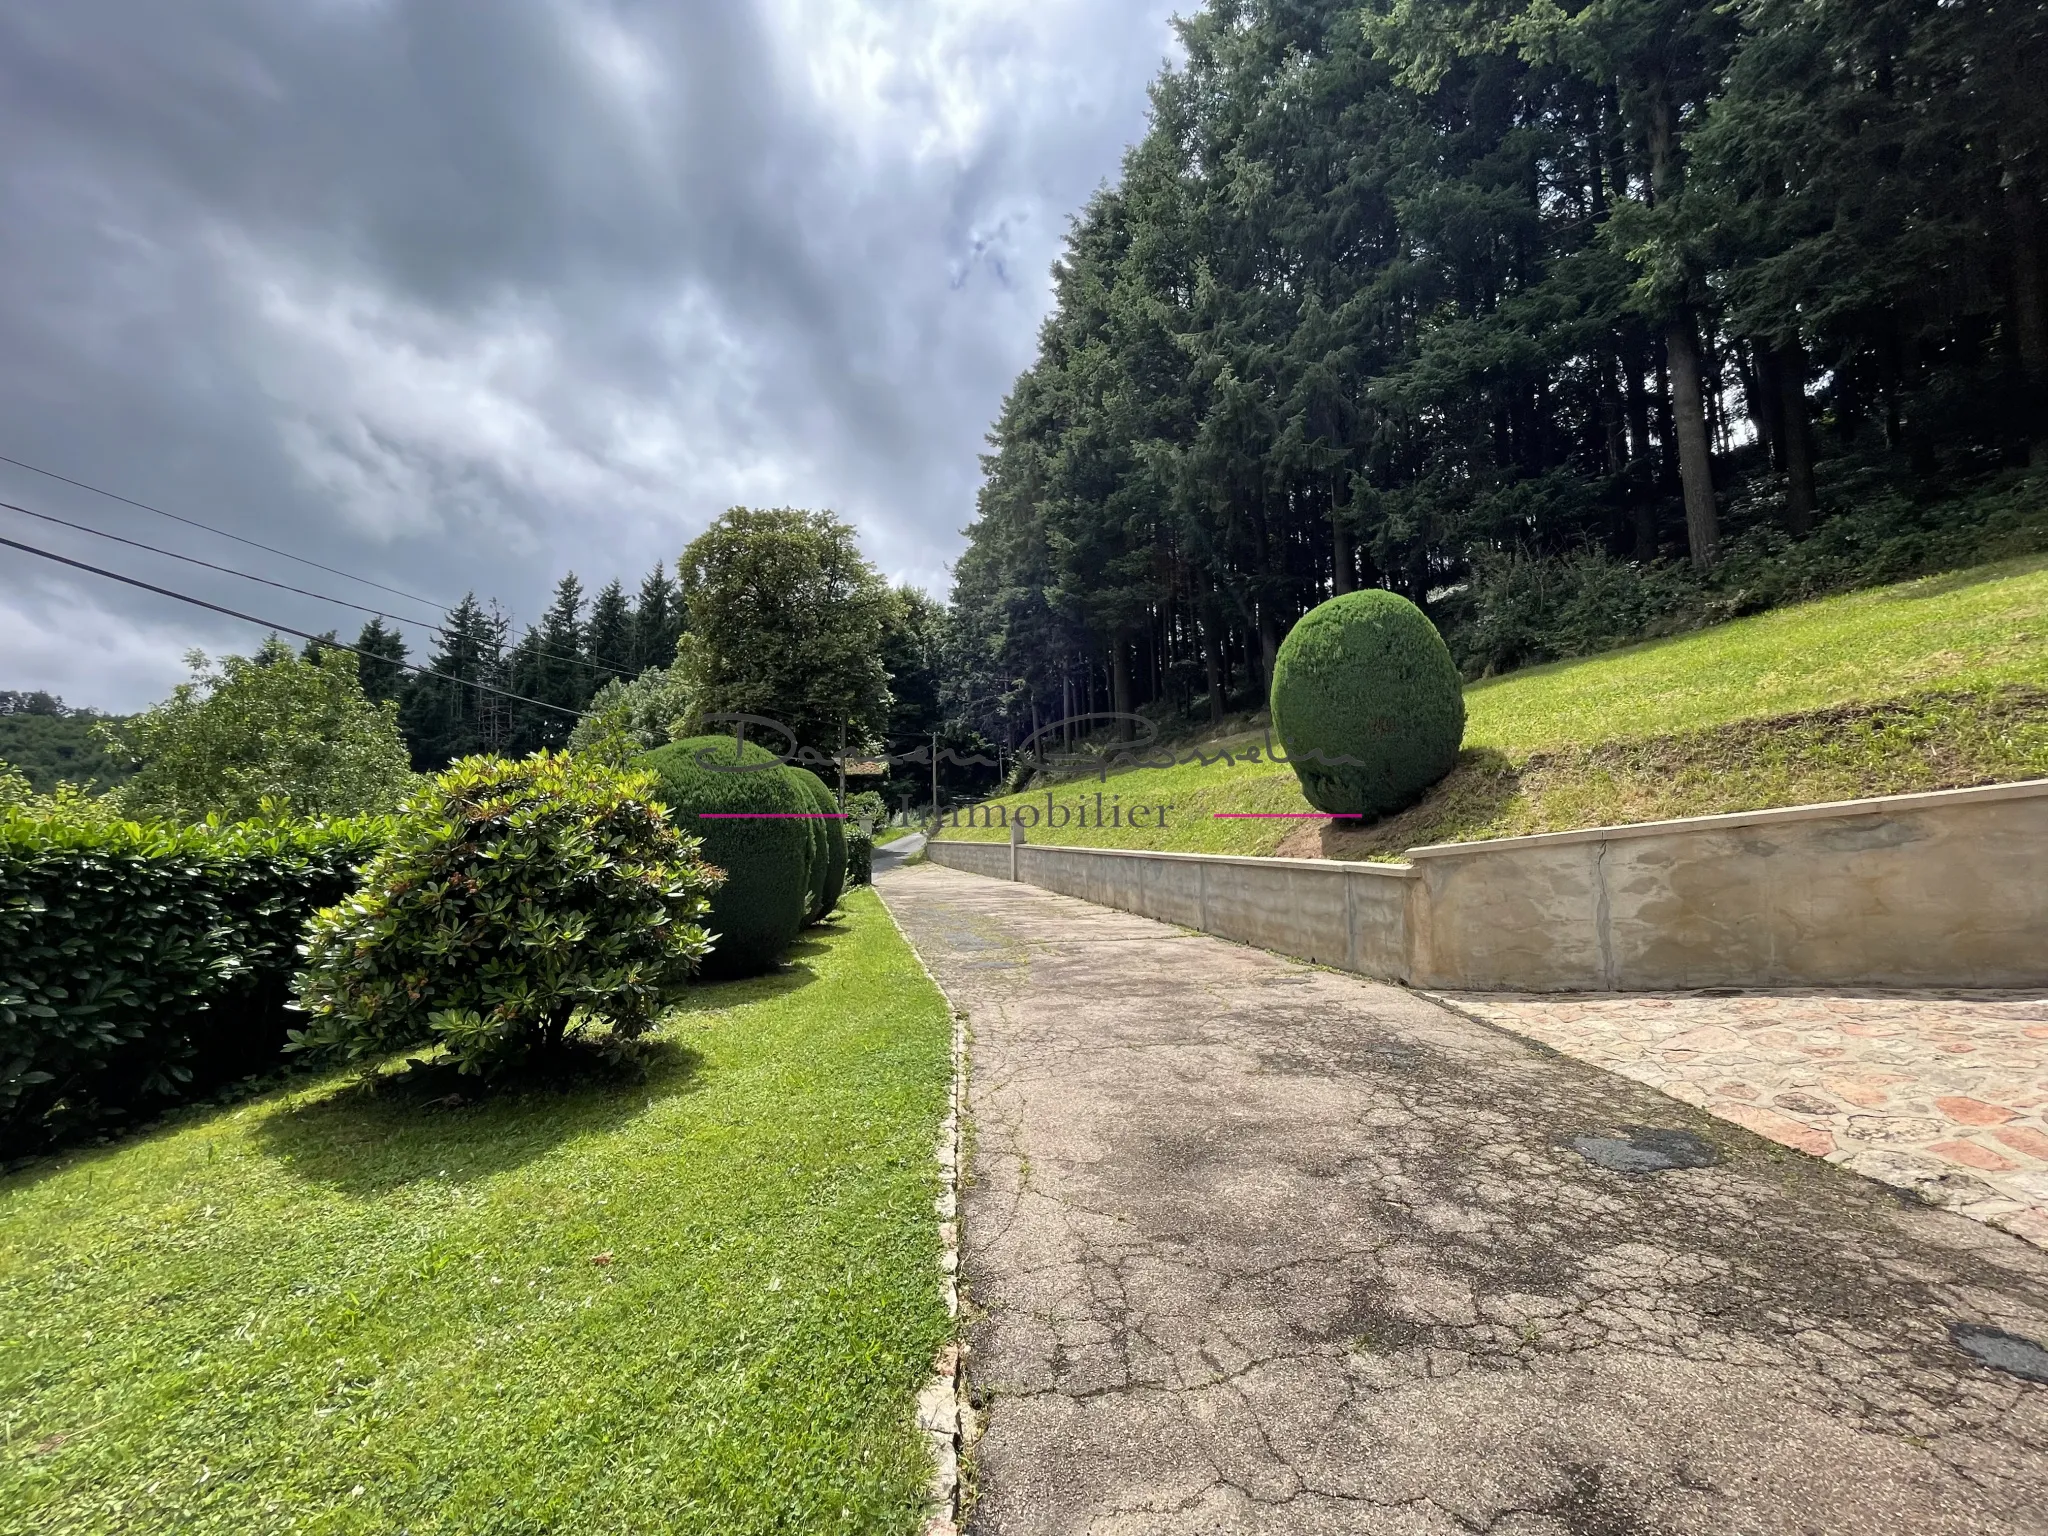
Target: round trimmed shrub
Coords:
[[828, 846], [1368, 703], [513, 904], [756, 914]]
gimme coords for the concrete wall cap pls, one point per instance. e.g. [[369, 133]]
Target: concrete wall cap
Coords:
[[1880, 805]]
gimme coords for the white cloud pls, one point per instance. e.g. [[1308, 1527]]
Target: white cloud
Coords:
[[58, 637]]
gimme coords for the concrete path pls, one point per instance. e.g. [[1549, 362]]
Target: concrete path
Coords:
[[889, 856], [1945, 1095], [1254, 1247]]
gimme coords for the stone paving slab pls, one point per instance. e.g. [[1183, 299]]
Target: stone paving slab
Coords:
[[1942, 1094], [1249, 1246]]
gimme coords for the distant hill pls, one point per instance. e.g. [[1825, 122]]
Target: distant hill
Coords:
[[52, 743]]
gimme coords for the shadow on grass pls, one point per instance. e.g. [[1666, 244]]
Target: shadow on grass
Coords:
[[791, 975], [1962, 581], [426, 1121], [1467, 802]]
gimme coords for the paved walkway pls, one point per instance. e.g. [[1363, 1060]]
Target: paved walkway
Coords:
[[1942, 1095], [889, 856], [1254, 1247]]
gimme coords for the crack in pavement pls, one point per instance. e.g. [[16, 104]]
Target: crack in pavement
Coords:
[[1258, 1247]]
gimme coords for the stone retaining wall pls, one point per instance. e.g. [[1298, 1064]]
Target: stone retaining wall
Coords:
[[1937, 890]]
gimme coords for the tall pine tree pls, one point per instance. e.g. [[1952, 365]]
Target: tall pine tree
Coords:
[[609, 637], [380, 661], [657, 621], [453, 709], [550, 668]]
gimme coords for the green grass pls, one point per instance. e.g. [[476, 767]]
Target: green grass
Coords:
[[893, 835], [696, 1296], [1923, 685]]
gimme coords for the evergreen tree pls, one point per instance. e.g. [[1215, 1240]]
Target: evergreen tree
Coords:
[[657, 621], [609, 638], [1414, 295], [550, 668], [449, 711], [380, 661]]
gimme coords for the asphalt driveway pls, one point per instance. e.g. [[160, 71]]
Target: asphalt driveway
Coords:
[[1255, 1247]]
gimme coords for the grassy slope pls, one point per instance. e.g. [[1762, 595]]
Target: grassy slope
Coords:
[[1542, 746], [338, 1312]]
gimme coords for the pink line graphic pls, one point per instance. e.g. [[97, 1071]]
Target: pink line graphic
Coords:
[[1290, 815]]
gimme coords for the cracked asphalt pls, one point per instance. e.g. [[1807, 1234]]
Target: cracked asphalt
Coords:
[[1255, 1247]]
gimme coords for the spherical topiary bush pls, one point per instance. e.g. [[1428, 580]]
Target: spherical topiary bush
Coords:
[[828, 846], [752, 834], [1368, 703], [513, 904]]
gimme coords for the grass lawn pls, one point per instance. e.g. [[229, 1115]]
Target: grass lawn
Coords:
[[893, 835], [698, 1296], [1925, 685]]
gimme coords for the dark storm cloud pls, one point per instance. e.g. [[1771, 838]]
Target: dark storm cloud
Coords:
[[462, 294]]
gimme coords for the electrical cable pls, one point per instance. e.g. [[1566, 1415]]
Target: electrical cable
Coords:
[[340, 602], [226, 570], [250, 618], [194, 522]]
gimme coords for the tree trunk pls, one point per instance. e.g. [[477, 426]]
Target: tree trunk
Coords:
[[1667, 434], [1212, 645], [1120, 684], [1689, 423], [1682, 349], [1613, 432], [1642, 477], [1345, 578], [1795, 435], [1638, 402], [1269, 647], [2030, 315], [1760, 387], [557, 1028]]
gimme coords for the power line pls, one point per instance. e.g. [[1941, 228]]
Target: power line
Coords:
[[228, 570], [250, 618], [193, 522]]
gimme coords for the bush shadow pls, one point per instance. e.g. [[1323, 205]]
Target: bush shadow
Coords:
[[1466, 803], [792, 973], [425, 1121]]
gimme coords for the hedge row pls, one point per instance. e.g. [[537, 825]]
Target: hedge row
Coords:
[[141, 966], [768, 827]]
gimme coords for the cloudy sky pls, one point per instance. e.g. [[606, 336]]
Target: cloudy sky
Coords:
[[460, 294]]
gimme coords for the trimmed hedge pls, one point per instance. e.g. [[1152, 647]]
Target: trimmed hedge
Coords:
[[143, 966], [860, 857], [759, 910], [1366, 678], [828, 846]]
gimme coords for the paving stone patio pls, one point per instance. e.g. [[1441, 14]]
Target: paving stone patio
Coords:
[[1943, 1095]]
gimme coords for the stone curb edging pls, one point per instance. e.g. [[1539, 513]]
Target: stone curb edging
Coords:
[[943, 1415]]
